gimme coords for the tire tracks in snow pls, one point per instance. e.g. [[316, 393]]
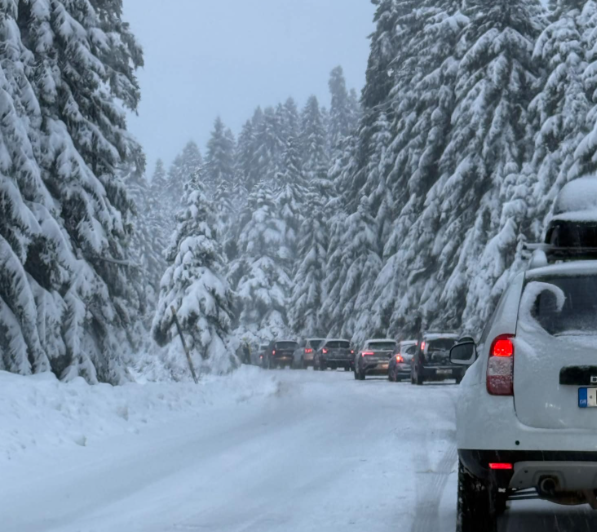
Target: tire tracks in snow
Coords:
[[431, 481]]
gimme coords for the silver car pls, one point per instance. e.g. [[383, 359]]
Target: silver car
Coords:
[[305, 353], [374, 358], [400, 363]]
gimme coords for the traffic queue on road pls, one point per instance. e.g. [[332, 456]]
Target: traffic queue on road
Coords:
[[420, 361]]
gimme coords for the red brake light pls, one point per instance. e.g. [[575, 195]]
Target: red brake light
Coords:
[[307, 351], [502, 347], [502, 466], [325, 351], [399, 359], [423, 346], [274, 352], [367, 353], [500, 366], [352, 351]]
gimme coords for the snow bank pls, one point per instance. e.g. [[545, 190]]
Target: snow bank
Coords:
[[39, 412]]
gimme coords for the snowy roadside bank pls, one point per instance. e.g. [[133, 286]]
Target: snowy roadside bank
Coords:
[[38, 413]]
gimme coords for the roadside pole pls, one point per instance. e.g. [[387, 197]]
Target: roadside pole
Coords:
[[184, 345]]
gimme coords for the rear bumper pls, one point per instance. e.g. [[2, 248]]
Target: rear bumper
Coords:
[[443, 372], [572, 470]]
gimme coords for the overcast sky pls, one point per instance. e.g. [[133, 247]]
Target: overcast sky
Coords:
[[205, 58]]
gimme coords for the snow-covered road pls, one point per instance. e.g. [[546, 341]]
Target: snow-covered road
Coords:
[[326, 453]]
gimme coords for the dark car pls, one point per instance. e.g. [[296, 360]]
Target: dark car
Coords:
[[334, 354], [374, 358], [280, 354], [432, 359], [400, 363], [305, 353]]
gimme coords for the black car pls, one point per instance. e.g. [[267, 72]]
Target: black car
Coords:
[[280, 354], [431, 361], [334, 354]]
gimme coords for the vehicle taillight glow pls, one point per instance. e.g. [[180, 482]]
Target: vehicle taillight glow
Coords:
[[500, 366], [307, 351], [423, 346], [367, 353], [399, 359], [502, 347], [274, 352], [501, 466], [324, 351], [352, 351]]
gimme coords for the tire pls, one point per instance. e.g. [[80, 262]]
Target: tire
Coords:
[[362, 375], [346, 368], [418, 379], [476, 504]]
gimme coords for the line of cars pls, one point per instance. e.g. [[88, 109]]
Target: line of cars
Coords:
[[426, 359]]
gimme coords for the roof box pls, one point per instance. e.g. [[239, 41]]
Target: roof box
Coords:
[[572, 231]]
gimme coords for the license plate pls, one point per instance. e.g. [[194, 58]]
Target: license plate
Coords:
[[587, 397], [444, 372], [384, 366]]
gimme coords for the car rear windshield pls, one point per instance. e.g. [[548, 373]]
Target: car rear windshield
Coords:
[[382, 346], [338, 345], [286, 345], [410, 350], [441, 344], [315, 343], [565, 305]]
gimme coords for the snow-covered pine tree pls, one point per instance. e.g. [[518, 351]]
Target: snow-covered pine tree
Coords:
[[195, 286], [291, 203], [263, 284], [307, 286], [187, 163], [219, 173], [559, 111], [481, 208], [73, 64], [342, 118], [313, 144]]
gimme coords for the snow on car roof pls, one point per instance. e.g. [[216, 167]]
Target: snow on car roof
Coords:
[[409, 342], [337, 340], [381, 340], [585, 267], [580, 195]]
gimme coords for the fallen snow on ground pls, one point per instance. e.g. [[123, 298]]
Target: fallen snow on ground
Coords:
[[39, 413]]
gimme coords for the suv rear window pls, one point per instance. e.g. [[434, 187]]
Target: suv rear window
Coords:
[[441, 344], [338, 345], [410, 350], [577, 314], [382, 346], [286, 345]]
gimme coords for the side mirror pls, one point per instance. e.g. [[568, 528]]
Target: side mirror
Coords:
[[464, 353]]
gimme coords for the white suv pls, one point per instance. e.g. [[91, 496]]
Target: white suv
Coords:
[[527, 413]]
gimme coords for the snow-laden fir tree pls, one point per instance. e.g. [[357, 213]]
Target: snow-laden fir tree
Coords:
[[68, 300], [195, 286], [269, 146], [187, 163], [313, 143], [262, 283], [482, 205], [343, 115], [559, 111]]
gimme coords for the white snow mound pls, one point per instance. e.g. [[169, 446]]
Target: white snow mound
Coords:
[[40, 412]]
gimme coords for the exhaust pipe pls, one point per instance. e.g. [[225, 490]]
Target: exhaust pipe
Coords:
[[548, 486]]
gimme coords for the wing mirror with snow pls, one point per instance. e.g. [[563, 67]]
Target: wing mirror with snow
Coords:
[[464, 353]]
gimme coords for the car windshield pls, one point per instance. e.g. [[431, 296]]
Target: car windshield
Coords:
[[341, 344], [565, 305], [382, 345], [286, 345], [315, 343]]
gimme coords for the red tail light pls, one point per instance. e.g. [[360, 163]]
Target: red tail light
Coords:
[[500, 367], [399, 359], [307, 351], [423, 346], [501, 466], [352, 351], [367, 353], [274, 352], [324, 351]]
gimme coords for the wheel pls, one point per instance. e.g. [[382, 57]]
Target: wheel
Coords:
[[362, 375], [458, 380], [356, 377], [476, 505], [418, 379], [346, 368], [391, 377]]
